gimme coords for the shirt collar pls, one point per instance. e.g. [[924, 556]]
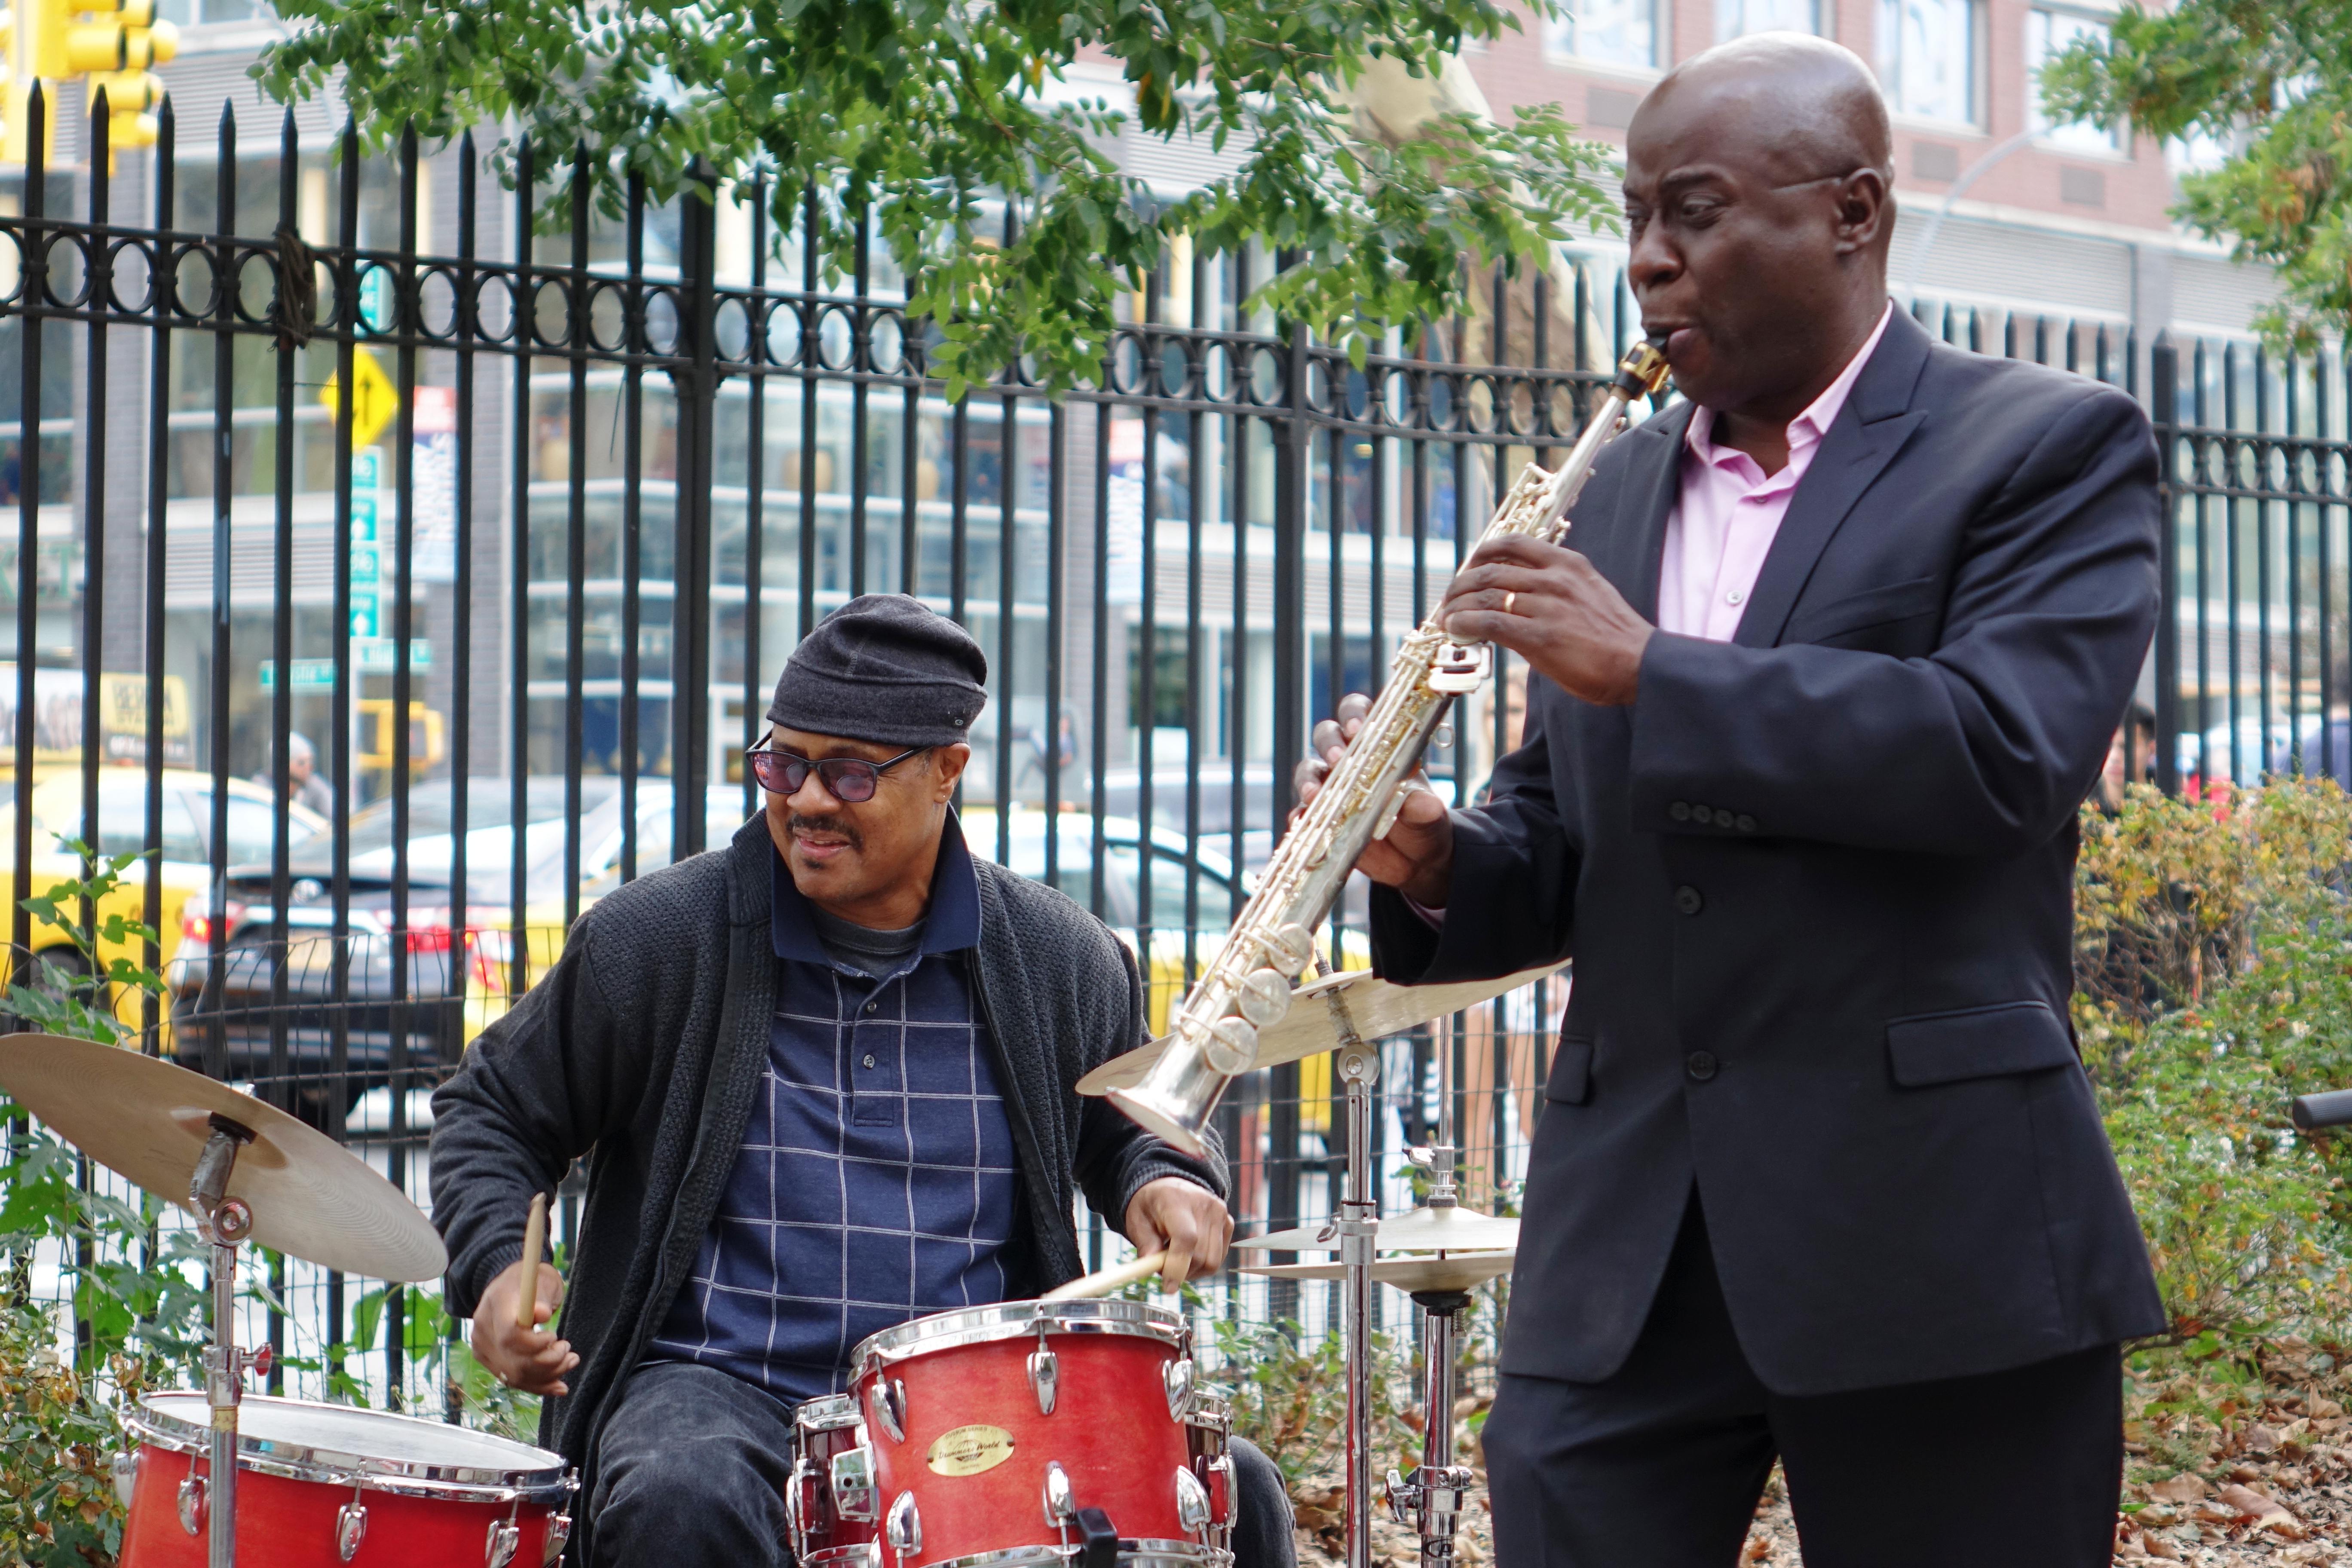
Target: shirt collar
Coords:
[[1807, 427], [951, 922]]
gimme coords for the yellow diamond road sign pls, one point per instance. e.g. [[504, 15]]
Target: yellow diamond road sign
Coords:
[[374, 400]]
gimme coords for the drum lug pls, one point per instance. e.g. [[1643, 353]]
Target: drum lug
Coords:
[[854, 1496], [904, 1528], [1178, 1376], [126, 1475], [503, 1540], [891, 1407], [351, 1529], [559, 1531], [191, 1500], [1192, 1501], [1061, 1503], [1044, 1377]]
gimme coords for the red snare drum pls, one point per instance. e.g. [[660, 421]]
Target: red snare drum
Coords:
[[322, 1484], [1020, 1432], [830, 1524]]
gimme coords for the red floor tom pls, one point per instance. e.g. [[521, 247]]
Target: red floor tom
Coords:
[[322, 1484], [1024, 1433]]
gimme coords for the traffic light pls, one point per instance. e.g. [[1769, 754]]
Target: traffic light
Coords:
[[111, 42]]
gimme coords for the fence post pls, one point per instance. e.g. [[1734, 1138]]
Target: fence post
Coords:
[[698, 415], [2164, 371]]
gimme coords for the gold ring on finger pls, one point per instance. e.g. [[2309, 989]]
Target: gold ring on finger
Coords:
[[1508, 600]]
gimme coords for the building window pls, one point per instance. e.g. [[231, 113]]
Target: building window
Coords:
[[2047, 34], [1928, 57], [1612, 32], [1736, 18]]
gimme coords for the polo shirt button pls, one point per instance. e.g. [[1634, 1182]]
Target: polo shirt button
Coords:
[[1680, 811], [871, 1005], [1687, 901], [1747, 823], [870, 1058], [1701, 1065]]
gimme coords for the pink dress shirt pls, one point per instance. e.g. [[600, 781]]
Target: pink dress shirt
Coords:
[[1729, 511]]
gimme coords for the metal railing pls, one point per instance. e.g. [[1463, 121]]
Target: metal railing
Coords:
[[624, 464]]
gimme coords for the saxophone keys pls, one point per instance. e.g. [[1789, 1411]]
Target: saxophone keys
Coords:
[[1264, 997], [1458, 670], [1229, 1048], [1290, 947]]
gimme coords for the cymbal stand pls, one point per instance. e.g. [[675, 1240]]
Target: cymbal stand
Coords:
[[1358, 1226], [223, 1222], [1429, 1499]]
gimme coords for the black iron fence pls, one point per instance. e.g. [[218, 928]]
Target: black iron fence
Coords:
[[507, 529]]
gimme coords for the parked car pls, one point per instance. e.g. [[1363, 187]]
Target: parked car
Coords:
[[452, 982], [184, 862]]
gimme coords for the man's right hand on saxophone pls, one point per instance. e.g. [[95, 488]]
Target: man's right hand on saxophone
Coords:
[[1546, 604]]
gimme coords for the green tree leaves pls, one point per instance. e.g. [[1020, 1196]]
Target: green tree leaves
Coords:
[[2274, 76], [926, 114]]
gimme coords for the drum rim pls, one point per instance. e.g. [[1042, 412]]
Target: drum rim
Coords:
[[1191, 1553], [552, 1483], [826, 1412], [1018, 1320]]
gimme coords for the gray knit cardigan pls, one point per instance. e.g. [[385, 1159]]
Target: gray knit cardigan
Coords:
[[642, 1050]]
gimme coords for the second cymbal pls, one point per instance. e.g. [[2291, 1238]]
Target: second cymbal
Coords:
[[1454, 1271], [1449, 1229]]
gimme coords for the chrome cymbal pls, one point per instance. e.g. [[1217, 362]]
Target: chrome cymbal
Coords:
[[1422, 1230], [1453, 1271], [1377, 1008], [147, 1120]]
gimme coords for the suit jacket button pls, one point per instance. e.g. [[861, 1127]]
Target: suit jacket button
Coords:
[[1701, 1065], [1747, 823], [1701, 814], [1679, 811], [1687, 901]]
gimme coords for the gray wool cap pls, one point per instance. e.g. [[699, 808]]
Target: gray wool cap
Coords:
[[884, 668]]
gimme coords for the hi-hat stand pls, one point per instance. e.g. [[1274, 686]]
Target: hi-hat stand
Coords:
[[1358, 1065]]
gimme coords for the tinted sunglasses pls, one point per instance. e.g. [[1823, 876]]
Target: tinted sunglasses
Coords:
[[849, 780]]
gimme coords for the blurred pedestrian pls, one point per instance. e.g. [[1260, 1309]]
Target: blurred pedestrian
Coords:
[[304, 785], [2131, 757]]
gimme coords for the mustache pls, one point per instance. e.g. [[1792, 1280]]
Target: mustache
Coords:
[[839, 827]]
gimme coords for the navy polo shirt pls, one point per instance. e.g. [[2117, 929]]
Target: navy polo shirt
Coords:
[[877, 1179]]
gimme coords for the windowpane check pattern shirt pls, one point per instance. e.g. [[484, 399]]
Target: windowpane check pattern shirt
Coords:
[[877, 1181]]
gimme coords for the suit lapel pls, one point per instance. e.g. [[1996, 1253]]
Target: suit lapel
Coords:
[[1630, 543], [1868, 431]]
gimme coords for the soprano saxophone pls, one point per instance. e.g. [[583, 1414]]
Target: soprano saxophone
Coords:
[[1246, 987]]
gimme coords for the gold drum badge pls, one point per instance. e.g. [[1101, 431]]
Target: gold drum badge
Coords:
[[969, 1450]]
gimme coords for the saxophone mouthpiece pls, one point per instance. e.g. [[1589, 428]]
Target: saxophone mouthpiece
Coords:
[[1643, 369]]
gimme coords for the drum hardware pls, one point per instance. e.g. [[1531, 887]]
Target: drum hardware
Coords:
[[1429, 1502], [1192, 1504], [191, 1500], [1178, 1376], [559, 1531], [125, 1467], [1061, 1505], [1044, 1372], [222, 1222], [903, 1529], [350, 1524], [853, 1493], [891, 1407], [499, 1546]]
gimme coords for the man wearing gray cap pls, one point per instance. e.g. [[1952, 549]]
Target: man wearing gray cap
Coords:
[[826, 1081]]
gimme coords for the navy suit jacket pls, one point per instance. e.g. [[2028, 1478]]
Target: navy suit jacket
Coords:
[[1818, 885]]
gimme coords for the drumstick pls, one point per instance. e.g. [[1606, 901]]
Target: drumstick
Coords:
[[1109, 1280], [534, 1238]]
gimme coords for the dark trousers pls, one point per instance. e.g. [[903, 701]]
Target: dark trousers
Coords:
[[691, 1468], [1661, 1465]]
